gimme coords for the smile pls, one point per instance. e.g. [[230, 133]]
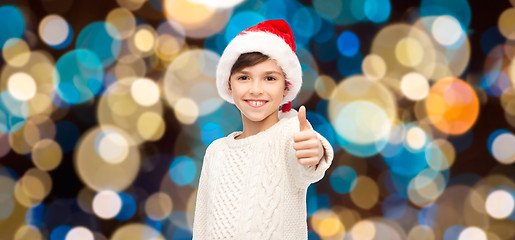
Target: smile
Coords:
[[256, 103]]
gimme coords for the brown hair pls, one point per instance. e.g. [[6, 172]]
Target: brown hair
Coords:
[[247, 60], [250, 59]]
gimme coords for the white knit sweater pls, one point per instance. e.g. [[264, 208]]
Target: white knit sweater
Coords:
[[254, 188]]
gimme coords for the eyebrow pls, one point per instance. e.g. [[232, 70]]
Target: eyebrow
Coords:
[[267, 72]]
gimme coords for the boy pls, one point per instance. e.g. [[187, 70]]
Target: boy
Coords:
[[253, 182]]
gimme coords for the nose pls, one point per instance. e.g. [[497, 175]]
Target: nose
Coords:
[[256, 87]]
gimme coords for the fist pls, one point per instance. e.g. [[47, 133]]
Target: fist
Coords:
[[308, 148]]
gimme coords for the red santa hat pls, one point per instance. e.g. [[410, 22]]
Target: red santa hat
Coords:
[[272, 38]]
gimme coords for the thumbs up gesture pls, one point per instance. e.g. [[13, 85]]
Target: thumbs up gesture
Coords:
[[308, 147]]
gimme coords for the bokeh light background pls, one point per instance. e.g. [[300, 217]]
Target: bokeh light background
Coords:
[[107, 107]]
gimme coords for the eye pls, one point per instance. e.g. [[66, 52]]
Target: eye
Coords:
[[269, 78], [243, 78]]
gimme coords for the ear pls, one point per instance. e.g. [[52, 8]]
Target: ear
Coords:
[[286, 88], [230, 89]]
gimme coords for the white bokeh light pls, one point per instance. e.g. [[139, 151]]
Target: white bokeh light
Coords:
[[107, 204], [472, 233], [79, 233], [112, 147], [414, 86], [416, 138], [502, 148], [500, 204], [447, 30], [145, 92], [21, 86]]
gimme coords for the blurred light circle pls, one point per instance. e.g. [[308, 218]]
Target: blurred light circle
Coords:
[[145, 92], [363, 230], [107, 204], [500, 204], [415, 86], [343, 179], [495, 83], [472, 233], [362, 122], [416, 138], [452, 106], [158, 206], [143, 42], [329, 9], [500, 144], [131, 230], [426, 187], [55, 31], [197, 19], [28, 232], [16, 24], [421, 232], [440, 154], [446, 30], [210, 132], [78, 76], [506, 23], [79, 233], [37, 184], [241, 21], [97, 38], [16, 52], [21, 86], [47, 154], [365, 194], [128, 208], [377, 11], [6, 205], [218, 3], [120, 106], [327, 224], [459, 9], [190, 85], [182, 170], [95, 171], [131, 4], [186, 111], [151, 126], [373, 67], [324, 86], [348, 43], [123, 22], [409, 52], [111, 146], [453, 232], [394, 207], [59, 232]]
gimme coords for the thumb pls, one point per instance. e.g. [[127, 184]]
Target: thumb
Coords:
[[303, 122]]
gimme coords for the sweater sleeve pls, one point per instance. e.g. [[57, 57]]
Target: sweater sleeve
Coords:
[[305, 175], [200, 218]]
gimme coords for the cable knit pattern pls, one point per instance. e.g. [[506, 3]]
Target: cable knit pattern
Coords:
[[254, 188]]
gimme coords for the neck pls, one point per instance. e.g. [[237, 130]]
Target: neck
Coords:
[[251, 128]]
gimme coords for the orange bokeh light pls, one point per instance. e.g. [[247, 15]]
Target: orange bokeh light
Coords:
[[452, 106]]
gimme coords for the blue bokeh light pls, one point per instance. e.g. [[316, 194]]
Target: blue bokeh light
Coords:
[[13, 24], [459, 9], [59, 233], [348, 43], [13, 113], [128, 207], [240, 22], [394, 207], [210, 131], [182, 170], [343, 179], [97, 38], [78, 76], [377, 11], [495, 83]]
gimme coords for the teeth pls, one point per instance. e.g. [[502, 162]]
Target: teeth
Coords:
[[256, 103]]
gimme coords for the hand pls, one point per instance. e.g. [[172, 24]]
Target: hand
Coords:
[[308, 148]]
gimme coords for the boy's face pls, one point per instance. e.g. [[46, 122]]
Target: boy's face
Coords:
[[258, 91]]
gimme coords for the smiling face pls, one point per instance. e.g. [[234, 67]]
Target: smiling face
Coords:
[[258, 91]]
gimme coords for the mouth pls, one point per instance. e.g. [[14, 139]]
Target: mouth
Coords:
[[256, 103]]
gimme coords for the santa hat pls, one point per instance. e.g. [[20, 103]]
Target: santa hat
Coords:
[[272, 38]]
